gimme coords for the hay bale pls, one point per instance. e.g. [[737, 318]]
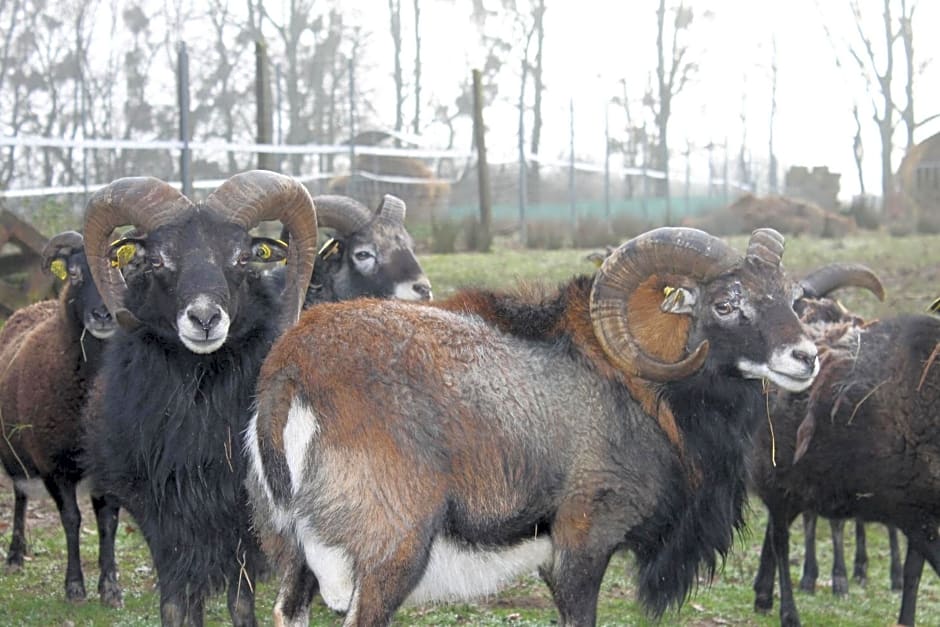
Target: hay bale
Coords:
[[790, 216]]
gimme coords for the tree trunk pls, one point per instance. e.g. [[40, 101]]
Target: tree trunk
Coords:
[[417, 121]]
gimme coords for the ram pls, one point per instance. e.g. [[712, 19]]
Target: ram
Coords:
[[817, 308], [420, 452], [875, 399], [370, 254], [50, 351], [175, 388]]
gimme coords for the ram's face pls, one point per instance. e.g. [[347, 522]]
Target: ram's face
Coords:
[[189, 279], [83, 295], [378, 261], [748, 318]]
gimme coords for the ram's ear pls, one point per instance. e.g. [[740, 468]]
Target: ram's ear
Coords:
[[124, 251], [268, 250], [678, 300]]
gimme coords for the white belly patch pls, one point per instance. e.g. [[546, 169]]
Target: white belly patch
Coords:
[[453, 573]]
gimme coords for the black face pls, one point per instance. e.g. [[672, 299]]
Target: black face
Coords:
[[83, 301], [190, 281], [751, 327]]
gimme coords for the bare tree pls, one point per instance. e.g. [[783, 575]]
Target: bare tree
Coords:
[[877, 70], [416, 123], [673, 71], [772, 175], [914, 71], [858, 151], [394, 11], [299, 19]]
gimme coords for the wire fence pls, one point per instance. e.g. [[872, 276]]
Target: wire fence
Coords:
[[440, 187]]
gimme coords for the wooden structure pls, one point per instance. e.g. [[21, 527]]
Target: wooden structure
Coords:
[[22, 280]]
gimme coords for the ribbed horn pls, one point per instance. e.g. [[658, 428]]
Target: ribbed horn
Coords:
[[821, 282], [765, 245], [251, 197], [144, 202], [343, 214], [669, 250], [392, 209]]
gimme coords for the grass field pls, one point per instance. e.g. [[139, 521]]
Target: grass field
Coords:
[[910, 268]]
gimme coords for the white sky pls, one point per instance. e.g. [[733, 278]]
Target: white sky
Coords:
[[592, 44]]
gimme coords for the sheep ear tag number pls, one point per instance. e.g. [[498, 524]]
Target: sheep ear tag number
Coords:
[[123, 255], [58, 269]]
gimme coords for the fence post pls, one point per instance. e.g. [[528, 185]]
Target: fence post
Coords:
[[523, 174], [483, 172], [182, 89], [573, 207], [352, 121], [607, 222], [264, 119]]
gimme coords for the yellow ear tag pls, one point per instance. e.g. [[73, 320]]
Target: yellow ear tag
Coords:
[[330, 248], [123, 255], [935, 306], [58, 269], [668, 290], [264, 252]]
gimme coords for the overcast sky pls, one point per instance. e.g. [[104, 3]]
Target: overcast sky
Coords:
[[592, 44]]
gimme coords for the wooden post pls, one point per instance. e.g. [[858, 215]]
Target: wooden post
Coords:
[[483, 172], [265, 119], [182, 90]]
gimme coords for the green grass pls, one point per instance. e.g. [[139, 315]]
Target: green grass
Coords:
[[910, 268]]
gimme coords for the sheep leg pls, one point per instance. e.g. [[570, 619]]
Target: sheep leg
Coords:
[[298, 585], [766, 573], [381, 587], [840, 579], [575, 581], [241, 598], [106, 514], [181, 610], [63, 493], [780, 533], [913, 567], [18, 541], [897, 570], [810, 565], [860, 569]]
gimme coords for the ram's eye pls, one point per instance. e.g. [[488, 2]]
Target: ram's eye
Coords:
[[244, 258], [362, 255], [155, 261], [724, 308]]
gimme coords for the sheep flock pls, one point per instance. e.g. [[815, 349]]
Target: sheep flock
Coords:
[[295, 432]]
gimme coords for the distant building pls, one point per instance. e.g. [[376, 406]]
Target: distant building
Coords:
[[818, 186], [918, 178]]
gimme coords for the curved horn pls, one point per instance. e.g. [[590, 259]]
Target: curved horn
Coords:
[[765, 245], [392, 209], [144, 202], [67, 241], [251, 197], [344, 214], [833, 276], [668, 250]]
